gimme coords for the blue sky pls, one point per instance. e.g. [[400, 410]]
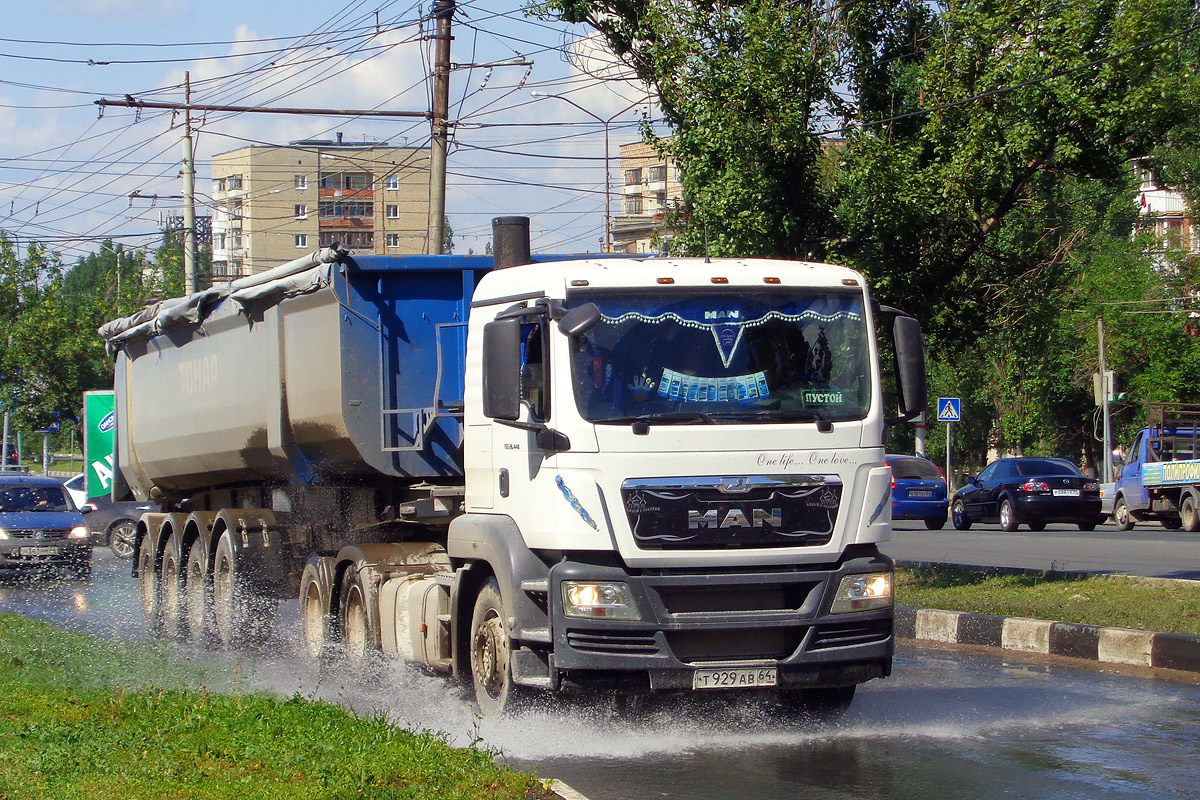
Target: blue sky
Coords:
[[66, 172]]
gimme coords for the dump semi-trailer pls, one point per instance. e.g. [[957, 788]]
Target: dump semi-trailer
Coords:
[[574, 474], [1160, 477]]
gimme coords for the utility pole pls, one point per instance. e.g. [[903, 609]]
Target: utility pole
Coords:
[[443, 13], [1107, 472], [189, 193], [607, 248]]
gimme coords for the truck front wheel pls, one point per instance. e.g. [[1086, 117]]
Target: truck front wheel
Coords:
[[490, 669], [1121, 515]]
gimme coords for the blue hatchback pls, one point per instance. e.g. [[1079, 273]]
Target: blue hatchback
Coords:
[[40, 526], [918, 490]]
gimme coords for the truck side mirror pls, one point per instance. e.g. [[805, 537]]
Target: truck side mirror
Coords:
[[579, 320], [502, 369], [910, 366]]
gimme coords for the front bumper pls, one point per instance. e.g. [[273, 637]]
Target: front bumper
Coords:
[[1056, 509], [776, 617]]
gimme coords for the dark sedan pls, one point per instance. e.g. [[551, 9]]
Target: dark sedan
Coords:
[[1033, 491]]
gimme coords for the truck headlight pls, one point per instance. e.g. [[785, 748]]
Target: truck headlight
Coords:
[[79, 532], [863, 593], [598, 600], [3, 533]]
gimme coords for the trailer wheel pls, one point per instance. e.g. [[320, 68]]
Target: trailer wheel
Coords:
[[240, 614], [171, 593], [358, 615], [1189, 515], [491, 669], [197, 593], [1121, 515], [314, 614], [148, 586]]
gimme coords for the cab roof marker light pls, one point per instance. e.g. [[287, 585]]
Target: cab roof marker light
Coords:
[[665, 281], [719, 280], [849, 282], [771, 280], [579, 282]]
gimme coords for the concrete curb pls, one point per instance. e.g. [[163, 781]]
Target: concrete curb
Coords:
[[1092, 642]]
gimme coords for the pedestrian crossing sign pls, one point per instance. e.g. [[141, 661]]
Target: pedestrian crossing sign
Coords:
[[949, 409]]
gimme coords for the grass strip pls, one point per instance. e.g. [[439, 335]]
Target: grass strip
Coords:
[[1108, 600], [84, 718]]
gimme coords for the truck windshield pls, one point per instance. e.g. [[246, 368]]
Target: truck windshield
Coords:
[[723, 357]]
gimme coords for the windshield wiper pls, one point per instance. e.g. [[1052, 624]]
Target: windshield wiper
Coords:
[[669, 418]]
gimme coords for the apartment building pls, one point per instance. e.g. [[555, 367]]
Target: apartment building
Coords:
[[649, 186], [1163, 212], [273, 204]]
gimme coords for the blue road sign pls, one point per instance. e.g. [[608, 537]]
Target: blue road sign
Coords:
[[949, 409]]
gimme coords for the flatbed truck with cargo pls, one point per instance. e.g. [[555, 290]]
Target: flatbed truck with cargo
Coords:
[[1160, 477]]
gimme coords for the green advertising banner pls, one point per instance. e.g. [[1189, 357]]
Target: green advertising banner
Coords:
[[99, 423]]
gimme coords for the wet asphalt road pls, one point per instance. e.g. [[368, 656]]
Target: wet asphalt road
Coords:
[[948, 724]]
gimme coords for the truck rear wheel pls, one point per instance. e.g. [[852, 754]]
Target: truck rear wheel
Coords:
[[1189, 515], [358, 615], [490, 657], [197, 598], [1121, 515], [148, 586], [314, 614], [171, 593], [240, 614]]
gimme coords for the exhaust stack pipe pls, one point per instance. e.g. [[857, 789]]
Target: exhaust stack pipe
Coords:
[[510, 242]]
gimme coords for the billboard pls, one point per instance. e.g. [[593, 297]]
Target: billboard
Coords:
[[99, 424]]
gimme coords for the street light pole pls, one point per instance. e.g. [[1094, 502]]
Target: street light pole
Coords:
[[607, 160]]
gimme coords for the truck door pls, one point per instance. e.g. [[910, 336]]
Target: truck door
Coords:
[[1131, 474]]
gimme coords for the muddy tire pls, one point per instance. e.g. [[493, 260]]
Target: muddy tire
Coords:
[[240, 614], [491, 662], [197, 594], [358, 616], [171, 591], [148, 587]]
